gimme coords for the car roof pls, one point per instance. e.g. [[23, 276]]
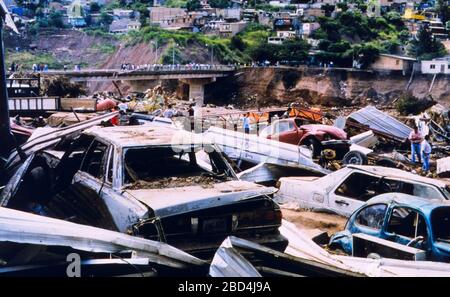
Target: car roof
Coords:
[[146, 135], [397, 173], [422, 204]]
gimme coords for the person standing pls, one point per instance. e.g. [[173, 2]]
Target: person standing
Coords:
[[415, 137], [170, 112], [426, 151], [191, 112], [246, 123]]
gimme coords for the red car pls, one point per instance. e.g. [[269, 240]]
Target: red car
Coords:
[[292, 131]]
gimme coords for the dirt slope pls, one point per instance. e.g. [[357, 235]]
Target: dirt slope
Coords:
[[319, 86]]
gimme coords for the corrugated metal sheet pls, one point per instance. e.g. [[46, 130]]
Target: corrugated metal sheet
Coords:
[[21, 227], [379, 121]]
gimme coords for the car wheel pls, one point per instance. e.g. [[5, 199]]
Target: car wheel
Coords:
[[314, 145], [354, 158]]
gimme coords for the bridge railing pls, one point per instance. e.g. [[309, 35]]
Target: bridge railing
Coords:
[[176, 67]]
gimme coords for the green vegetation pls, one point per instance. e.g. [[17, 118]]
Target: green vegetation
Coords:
[[295, 50], [354, 35], [176, 3], [193, 5], [27, 59], [408, 104], [222, 46], [104, 48], [426, 47], [219, 3]]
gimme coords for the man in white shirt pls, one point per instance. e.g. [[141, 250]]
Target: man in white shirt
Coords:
[[426, 151]]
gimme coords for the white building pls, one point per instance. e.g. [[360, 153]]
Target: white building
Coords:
[[309, 28], [122, 26], [435, 66], [275, 40]]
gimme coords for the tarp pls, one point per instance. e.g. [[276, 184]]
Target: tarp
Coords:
[[381, 122]]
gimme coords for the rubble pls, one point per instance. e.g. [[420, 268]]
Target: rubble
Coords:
[[443, 167], [33, 245], [380, 123]]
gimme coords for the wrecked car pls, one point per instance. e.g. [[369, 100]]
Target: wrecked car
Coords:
[[408, 220], [345, 190], [32, 245], [293, 131], [156, 182]]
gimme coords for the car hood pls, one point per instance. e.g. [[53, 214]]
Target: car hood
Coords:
[[172, 201]]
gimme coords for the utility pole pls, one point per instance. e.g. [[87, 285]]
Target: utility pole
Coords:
[[6, 136], [173, 56], [212, 55]]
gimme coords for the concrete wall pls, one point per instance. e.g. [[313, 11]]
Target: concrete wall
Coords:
[[392, 63], [435, 66]]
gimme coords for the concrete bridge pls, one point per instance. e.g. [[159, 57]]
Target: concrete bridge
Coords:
[[195, 76]]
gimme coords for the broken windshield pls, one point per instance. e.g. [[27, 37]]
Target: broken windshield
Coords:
[[166, 167], [440, 222]]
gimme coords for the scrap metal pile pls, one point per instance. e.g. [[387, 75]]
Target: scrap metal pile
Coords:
[[127, 193], [171, 202]]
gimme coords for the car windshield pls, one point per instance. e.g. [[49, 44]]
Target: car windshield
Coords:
[[277, 128], [440, 222], [167, 166]]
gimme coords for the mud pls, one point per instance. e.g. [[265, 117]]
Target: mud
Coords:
[[175, 182], [308, 220]]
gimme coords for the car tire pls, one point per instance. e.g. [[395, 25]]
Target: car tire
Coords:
[[355, 158], [314, 145], [386, 163]]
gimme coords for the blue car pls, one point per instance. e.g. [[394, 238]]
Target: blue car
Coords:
[[404, 219]]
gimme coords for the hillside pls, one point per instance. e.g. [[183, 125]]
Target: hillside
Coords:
[[278, 86]]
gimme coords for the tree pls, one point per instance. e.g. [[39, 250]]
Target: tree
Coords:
[[444, 10], [219, 3], [425, 46], [55, 19], [193, 5], [343, 6], [293, 50], [328, 9], [237, 43], [94, 7], [142, 8], [106, 19], [366, 54], [264, 52]]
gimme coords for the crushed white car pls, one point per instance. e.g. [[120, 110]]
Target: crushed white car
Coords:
[[345, 190]]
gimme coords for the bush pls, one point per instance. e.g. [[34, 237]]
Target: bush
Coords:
[[408, 104]]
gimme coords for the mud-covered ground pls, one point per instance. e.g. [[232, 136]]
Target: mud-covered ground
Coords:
[[309, 220]]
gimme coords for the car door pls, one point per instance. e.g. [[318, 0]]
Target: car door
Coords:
[[287, 132], [85, 192], [404, 224], [351, 193]]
